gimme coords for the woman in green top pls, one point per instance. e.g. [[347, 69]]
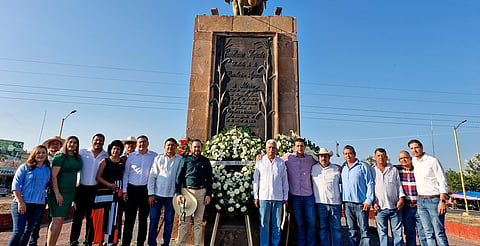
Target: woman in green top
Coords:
[[63, 181]]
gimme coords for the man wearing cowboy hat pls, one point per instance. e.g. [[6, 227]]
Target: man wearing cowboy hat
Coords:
[[53, 144], [130, 145], [326, 179], [194, 174]]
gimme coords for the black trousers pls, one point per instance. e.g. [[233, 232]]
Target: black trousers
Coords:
[[82, 208], [36, 229], [137, 199]]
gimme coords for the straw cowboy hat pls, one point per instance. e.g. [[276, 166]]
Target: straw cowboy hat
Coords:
[[323, 151], [130, 140], [189, 205], [54, 138]]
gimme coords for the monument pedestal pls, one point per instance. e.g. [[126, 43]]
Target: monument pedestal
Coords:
[[244, 73]]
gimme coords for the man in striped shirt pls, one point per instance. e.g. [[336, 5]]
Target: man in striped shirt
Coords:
[[409, 211]]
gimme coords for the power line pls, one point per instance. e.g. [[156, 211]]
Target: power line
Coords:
[[90, 97], [376, 116], [396, 137], [92, 91], [175, 97], [318, 83], [379, 122], [394, 112], [391, 99], [92, 66], [90, 77], [151, 95], [95, 104]]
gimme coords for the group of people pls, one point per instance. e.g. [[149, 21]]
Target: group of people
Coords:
[[411, 196], [115, 181], [110, 183]]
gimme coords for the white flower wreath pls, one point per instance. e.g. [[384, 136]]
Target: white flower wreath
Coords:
[[232, 188]]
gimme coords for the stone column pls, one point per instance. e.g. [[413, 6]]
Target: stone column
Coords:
[[244, 73]]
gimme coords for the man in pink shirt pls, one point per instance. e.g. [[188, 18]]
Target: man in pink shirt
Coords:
[[299, 167]]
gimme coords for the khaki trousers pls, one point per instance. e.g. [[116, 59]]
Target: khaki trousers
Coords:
[[197, 220]]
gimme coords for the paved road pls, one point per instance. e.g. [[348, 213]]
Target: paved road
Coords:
[[63, 240]]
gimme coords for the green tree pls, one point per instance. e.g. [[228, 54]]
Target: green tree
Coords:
[[370, 160], [472, 182], [472, 166], [453, 180]]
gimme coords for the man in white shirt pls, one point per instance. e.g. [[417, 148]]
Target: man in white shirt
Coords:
[[161, 189], [86, 190], [326, 178], [432, 191], [270, 191], [388, 199], [135, 192]]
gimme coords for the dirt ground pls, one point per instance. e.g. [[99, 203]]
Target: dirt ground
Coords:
[[5, 205]]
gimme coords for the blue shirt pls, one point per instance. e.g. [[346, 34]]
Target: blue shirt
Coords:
[[32, 183], [357, 183]]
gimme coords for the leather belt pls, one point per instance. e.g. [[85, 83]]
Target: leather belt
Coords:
[[429, 197], [196, 187], [410, 203]]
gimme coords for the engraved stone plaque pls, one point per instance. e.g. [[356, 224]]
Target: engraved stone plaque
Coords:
[[242, 87]]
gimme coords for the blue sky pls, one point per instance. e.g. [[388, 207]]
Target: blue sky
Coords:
[[372, 73]]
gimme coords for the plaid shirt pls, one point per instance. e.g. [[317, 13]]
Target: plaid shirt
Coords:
[[408, 182]]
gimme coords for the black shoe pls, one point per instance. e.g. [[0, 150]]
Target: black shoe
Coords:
[[74, 243]]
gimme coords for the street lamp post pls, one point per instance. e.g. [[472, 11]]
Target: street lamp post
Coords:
[[460, 166], [63, 120]]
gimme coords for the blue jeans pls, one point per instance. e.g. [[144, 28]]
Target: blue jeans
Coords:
[[155, 212], [273, 210], [409, 218], [23, 223], [395, 218], [357, 221], [303, 208], [329, 216], [433, 223]]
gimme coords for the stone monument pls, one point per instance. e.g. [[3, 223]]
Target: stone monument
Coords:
[[244, 72]]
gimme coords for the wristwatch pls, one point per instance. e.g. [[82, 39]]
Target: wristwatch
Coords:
[[443, 200]]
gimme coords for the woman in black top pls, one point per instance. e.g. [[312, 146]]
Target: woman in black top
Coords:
[[107, 216]]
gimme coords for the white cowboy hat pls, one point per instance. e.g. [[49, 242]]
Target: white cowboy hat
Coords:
[[188, 206], [129, 140], [47, 142], [323, 151]]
